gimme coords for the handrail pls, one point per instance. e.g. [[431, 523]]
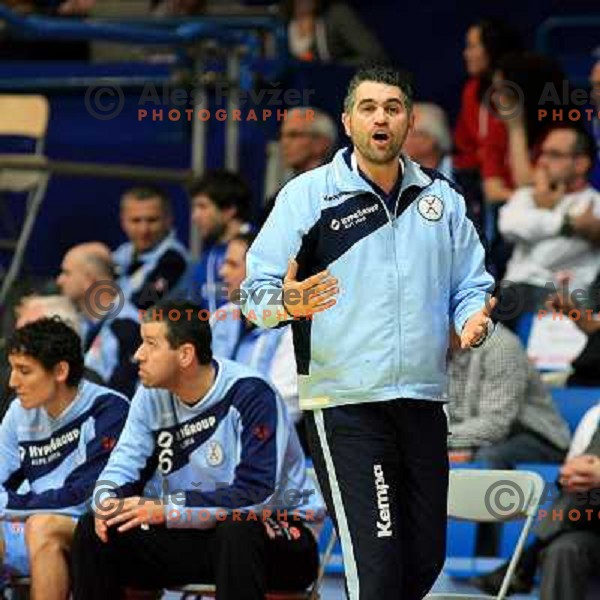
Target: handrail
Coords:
[[99, 170], [170, 31], [543, 32]]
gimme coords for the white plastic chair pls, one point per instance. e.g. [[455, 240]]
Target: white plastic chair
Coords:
[[493, 496]]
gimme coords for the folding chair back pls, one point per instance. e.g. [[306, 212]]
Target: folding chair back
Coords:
[[489, 496], [25, 116]]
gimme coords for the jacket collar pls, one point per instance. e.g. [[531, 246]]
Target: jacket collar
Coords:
[[347, 180]]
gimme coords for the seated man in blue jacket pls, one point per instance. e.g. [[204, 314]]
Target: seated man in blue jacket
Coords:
[[55, 439], [271, 351], [110, 328], [227, 494], [152, 261]]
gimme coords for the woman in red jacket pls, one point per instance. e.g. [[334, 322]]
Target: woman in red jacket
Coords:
[[480, 137]]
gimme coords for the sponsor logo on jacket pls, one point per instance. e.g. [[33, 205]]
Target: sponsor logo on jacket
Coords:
[[55, 443], [356, 218]]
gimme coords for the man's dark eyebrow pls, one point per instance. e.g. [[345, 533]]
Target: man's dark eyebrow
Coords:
[[395, 100]]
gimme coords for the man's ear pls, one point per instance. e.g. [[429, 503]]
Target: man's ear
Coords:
[[187, 355], [346, 123], [582, 164], [229, 213], [61, 371]]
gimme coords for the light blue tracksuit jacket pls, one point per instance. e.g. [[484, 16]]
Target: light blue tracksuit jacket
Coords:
[[404, 277]]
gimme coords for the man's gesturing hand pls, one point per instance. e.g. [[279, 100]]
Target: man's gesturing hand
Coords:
[[476, 327], [314, 294]]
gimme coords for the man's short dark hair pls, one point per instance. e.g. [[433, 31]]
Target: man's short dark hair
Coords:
[[186, 324], [247, 237], [226, 189], [380, 74], [584, 145], [49, 341], [150, 192]]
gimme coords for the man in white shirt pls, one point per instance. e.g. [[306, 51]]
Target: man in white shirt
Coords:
[[554, 224]]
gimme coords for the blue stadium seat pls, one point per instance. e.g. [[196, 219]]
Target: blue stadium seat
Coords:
[[573, 402], [523, 327]]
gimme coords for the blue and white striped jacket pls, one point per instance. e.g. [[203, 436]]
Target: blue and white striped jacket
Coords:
[[58, 459], [235, 449]]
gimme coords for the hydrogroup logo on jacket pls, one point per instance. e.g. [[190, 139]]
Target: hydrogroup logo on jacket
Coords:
[[356, 218]]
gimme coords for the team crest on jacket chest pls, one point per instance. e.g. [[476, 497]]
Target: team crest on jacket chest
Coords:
[[431, 208], [215, 454]]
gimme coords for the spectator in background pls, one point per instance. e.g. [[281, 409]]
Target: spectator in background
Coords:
[[499, 410], [567, 547], [554, 223], [429, 141], [500, 414], [220, 205], [324, 31], [55, 438], [531, 74], [480, 137], [74, 278], [308, 137], [111, 330], [29, 309], [519, 82], [152, 261], [595, 100], [585, 369], [270, 351]]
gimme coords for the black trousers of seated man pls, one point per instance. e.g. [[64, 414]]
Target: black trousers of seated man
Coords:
[[244, 559], [383, 471]]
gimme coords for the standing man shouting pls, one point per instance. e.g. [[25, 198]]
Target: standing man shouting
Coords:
[[380, 259]]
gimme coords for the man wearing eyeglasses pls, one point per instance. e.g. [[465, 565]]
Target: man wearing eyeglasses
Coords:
[[554, 224], [307, 139]]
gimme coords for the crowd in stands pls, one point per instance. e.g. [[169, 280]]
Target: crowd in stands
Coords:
[[80, 379]]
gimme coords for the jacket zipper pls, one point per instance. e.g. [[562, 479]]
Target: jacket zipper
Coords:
[[396, 310]]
